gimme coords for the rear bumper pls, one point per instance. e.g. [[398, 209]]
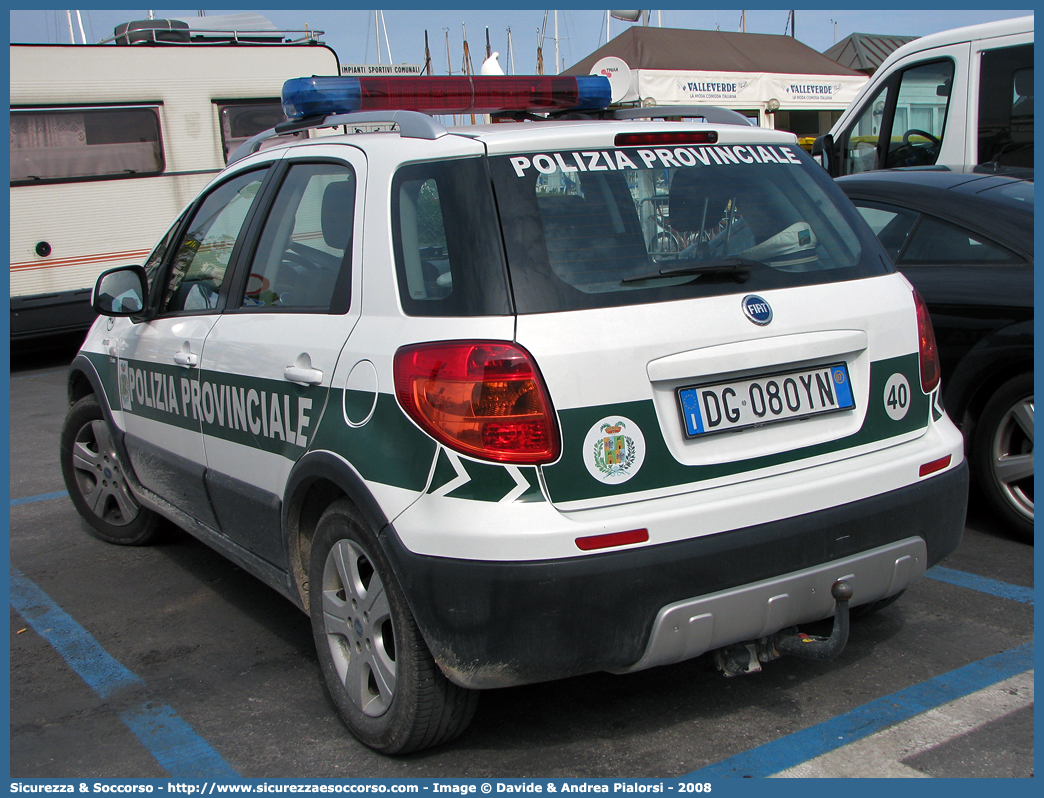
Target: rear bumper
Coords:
[[496, 624]]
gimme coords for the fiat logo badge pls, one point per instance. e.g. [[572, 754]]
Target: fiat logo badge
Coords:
[[757, 309]]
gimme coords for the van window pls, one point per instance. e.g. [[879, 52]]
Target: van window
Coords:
[[1006, 106], [861, 146], [919, 116], [84, 144]]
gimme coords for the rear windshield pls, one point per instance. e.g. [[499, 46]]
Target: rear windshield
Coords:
[[632, 225]]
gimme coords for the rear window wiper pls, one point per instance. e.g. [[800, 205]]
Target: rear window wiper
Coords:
[[739, 268]]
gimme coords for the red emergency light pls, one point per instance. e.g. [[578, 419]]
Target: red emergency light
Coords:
[[474, 94]]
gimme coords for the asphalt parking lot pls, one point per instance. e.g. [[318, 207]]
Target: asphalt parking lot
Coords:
[[171, 661]]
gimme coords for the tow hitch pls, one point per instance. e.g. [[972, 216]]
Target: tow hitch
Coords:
[[747, 657]]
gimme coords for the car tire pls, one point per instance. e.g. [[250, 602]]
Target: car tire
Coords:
[[1003, 453], [95, 479], [377, 670]]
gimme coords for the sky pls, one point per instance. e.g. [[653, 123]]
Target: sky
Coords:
[[352, 32]]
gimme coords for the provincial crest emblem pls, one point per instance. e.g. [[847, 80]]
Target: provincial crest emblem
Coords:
[[614, 450], [126, 387]]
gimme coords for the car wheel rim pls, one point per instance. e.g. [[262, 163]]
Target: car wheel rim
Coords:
[[1012, 456], [358, 625], [100, 477]]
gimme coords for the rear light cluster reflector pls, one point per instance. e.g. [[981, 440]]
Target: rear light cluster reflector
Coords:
[[475, 94], [926, 348], [935, 465], [592, 542], [481, 398]]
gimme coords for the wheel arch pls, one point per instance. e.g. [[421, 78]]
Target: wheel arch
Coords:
[[993, 361], [83, 379], [318, 480]]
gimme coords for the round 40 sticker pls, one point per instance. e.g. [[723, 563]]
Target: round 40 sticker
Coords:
[[897, 397], [614, 450]]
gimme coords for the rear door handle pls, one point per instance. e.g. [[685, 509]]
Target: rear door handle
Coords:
[[186, 359], [306, 376]]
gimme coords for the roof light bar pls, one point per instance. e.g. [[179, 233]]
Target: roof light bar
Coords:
[[475, 94]]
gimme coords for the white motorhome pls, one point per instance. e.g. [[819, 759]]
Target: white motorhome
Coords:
[[957, 98], [110, 141]]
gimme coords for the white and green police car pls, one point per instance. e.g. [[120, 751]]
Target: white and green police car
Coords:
[[513, 402]]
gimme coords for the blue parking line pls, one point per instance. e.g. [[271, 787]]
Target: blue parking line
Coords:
[[174, 744], [799, 747], [60, 494], [982, 584]]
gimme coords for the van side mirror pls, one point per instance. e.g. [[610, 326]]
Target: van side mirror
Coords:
[[823, 153], [943, 89], [120, 292]]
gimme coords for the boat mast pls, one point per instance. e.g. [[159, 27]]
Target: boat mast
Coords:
[[386, 44], [557, 62]]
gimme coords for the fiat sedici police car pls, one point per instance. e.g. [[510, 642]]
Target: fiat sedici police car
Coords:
[[497, 404]]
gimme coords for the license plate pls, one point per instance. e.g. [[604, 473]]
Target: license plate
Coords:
[[729, 406]]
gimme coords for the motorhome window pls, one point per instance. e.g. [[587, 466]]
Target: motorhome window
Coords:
[[84, 144], [1006, 106], [919, 115], [303, 259], [242, 119], [646, 225], [448, 254], [201, 260]]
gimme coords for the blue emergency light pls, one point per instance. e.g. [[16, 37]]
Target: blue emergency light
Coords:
[[463, 94]]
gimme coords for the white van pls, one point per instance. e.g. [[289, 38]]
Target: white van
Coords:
[[110, 141], [960, 97]]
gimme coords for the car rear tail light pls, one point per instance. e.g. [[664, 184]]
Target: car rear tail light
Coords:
[[926, 348], [481, 398]]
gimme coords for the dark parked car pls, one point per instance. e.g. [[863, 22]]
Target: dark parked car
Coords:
[[964, 238]]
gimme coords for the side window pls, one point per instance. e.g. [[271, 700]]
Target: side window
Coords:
[[890, 224], [84, 144], [919, 118], [159, 252], [449, 257], [303, 259], [935, 241], [1006, 106], [201, 259], [426, 260], [242, 119], [861, 147]]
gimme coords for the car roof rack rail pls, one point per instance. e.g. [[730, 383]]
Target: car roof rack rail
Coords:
[[410, 124]]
